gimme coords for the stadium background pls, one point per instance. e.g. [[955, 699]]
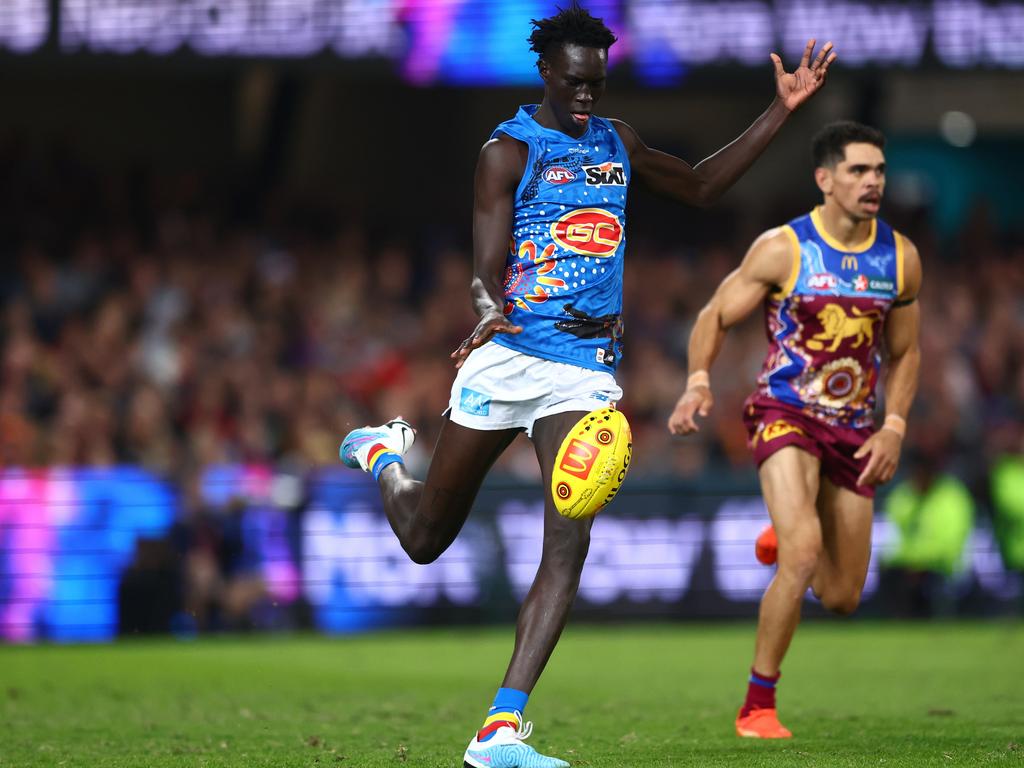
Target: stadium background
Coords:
[[233, 229]]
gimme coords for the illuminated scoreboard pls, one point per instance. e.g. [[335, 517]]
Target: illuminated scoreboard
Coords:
[[477, 42]]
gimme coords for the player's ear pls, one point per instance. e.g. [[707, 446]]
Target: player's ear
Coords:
[[823, 178], [544, 68]]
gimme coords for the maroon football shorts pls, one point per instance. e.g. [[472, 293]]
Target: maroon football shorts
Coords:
[[772, 425]]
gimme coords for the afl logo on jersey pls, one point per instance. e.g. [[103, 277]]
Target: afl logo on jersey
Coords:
[[822, 281], [588, 231], [558, 175]]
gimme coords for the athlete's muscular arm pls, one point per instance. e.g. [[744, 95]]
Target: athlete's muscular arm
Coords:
[[901, 342], [498, 172], [704, 183], [766, 267]]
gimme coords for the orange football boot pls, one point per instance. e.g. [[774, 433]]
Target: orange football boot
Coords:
[[766, 548], [761, 724]]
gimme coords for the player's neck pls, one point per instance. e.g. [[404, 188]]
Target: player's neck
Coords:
[[546, 119], [842, 227]]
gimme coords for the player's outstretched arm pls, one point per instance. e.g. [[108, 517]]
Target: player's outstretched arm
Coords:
[[769, 265], [497, 174], [904, 363], [704, 183]]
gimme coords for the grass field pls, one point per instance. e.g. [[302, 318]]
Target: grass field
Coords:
[[855, 695]]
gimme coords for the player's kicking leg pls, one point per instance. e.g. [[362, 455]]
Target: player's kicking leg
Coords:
[[789, 483], [426, 516], [542, 617]]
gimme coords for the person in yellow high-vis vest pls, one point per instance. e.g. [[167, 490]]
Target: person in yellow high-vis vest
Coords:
[[933, 514], [1006, 485]]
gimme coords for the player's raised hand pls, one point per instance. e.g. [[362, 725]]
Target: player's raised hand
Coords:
[[490, 324], [797, 87], [695, 400], [884, 448]]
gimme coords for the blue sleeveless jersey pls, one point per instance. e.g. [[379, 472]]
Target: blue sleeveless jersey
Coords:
[[563, 277], [825, 326]]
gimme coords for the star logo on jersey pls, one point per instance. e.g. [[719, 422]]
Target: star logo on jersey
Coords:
[[860, 284], [588, 232]]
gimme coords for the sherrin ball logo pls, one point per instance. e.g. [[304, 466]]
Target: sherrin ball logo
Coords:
[[588, 231], [591, 463]]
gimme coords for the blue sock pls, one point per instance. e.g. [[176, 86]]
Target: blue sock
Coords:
[[380, 456], [507, 701], [384, 461]]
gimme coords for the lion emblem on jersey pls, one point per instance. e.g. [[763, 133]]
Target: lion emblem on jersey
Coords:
[[838, 326]]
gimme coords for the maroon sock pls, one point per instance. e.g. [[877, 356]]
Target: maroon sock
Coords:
[[760, 692]]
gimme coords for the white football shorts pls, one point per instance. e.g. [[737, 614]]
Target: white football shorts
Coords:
[[500, 388]]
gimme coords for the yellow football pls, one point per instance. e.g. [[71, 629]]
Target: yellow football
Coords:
[[592, 463]]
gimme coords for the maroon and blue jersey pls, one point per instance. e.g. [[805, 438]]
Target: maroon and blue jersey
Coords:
[[563, 277], [825, 325]]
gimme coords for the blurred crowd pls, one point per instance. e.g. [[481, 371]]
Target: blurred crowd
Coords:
[[141, 324], [152, 320]]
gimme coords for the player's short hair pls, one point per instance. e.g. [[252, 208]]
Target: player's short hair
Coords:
[[570, 26], [829, 145]]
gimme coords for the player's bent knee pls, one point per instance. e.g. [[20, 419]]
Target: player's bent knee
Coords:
[[423, 557], [423, 551], [842, 603], [801, 558]]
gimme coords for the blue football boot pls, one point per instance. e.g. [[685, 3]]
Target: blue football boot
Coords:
[[397, 436], [505, 749]]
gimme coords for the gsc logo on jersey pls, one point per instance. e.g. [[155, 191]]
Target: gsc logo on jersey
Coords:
[[605, 175], [558, 175], [588, 232]]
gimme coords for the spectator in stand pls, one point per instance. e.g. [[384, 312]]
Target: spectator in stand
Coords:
[[137, 325], [933, 515], [1006, 488]]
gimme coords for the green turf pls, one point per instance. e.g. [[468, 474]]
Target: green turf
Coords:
[[855, 694]]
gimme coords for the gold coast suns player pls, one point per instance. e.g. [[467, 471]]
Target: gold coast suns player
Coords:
[[552, 181], [837, 285]]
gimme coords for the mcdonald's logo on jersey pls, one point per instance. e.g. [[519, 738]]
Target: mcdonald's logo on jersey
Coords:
[[588, 232], [579, 459], [850, 262]]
